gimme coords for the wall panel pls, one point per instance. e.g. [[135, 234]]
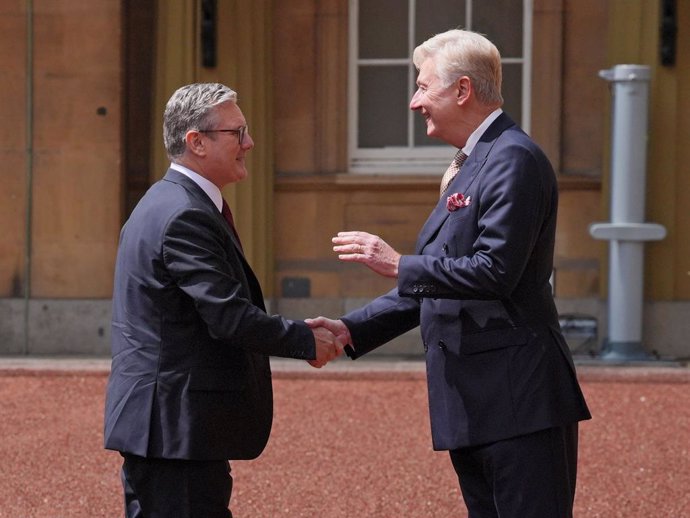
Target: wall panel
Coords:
[[77, 145], [294, 91], [13, 152]]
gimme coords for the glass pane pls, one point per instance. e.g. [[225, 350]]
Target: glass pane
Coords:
[[383, 106], [434, 16], [383, 29], [505, 30], [512, 91]]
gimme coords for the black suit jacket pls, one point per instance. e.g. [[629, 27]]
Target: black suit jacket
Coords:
[[497, 363], [190, 374]]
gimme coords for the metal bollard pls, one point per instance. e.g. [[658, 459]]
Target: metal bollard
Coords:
[[627, 231]]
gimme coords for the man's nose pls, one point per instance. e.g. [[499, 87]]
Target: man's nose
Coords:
[[414, 102], [247, 142]]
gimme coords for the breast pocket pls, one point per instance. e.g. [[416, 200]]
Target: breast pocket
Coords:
[[458, 233]]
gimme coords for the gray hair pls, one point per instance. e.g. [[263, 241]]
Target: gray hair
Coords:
[[459, 53], [191, 108]]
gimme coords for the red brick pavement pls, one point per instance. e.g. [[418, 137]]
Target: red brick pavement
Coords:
[[346, 443]]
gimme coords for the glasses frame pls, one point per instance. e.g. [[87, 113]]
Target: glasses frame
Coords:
[[240, 132]]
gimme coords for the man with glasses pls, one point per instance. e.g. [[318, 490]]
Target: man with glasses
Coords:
[[190, 383]]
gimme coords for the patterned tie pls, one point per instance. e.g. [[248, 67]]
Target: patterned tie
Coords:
[[452, 170], [227, 214]]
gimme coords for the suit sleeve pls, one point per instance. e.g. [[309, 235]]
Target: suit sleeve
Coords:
[[512, 202], [380, 321], [207, 269]]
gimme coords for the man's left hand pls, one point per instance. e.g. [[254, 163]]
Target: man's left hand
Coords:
[[370, 250]]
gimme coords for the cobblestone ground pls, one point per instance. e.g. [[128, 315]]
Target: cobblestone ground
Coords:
[[343, 445]]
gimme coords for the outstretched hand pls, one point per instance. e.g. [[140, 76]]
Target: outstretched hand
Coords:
[[368, 249]]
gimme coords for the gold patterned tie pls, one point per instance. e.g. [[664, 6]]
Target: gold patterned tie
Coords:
[[452, 170]]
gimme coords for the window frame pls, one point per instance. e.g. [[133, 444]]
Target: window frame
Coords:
[[424, 160]]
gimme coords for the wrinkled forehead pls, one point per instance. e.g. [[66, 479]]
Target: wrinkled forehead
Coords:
[[229, 112], [427, 72]]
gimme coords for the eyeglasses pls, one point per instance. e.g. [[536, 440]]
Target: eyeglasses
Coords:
[[241, 132]]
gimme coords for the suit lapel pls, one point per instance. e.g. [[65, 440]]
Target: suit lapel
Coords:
[[469, 172], [197, 192], [432, 225]]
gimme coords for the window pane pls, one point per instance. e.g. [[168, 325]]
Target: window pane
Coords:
[[383, 29], [504, 30], [383, 106], [434, 16], [512, 91]]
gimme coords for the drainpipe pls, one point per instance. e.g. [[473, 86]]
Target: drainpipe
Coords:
[[627, 231]]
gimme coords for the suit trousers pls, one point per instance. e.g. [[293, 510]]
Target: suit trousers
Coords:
[[171, 488], [530, 476]]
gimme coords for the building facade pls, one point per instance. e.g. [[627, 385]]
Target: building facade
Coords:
[[325, 86]]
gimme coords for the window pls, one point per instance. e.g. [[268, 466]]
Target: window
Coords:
[[385, 136]]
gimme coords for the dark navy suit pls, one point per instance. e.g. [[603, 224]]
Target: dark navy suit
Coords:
[[478, 284], [190, 374]]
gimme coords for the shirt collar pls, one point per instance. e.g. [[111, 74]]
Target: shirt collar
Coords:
[[211, 190], [477, 134]]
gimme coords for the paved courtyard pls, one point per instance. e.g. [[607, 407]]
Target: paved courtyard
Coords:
[[349, 440]]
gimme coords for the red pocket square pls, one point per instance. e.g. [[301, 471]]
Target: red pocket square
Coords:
[[456, 201]]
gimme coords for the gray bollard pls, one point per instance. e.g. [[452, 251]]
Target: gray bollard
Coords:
[[627, 231]]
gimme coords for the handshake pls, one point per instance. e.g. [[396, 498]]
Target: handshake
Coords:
[[331, 337]]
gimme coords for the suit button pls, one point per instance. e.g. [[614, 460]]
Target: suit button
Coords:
[[426, 347], [445, 248], [442, 345]]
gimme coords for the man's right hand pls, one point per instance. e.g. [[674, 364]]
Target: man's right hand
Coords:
[[337, 327], [328, 347]]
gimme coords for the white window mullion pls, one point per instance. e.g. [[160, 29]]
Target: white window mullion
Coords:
[[374, 62], [527, 66], [410, 71], [353, 75], [468, 15]]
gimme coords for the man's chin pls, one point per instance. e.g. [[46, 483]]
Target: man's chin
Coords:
[[432, 133], [238, 175]]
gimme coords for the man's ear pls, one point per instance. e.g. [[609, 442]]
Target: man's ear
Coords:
[[195, 142], [463, 89]]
